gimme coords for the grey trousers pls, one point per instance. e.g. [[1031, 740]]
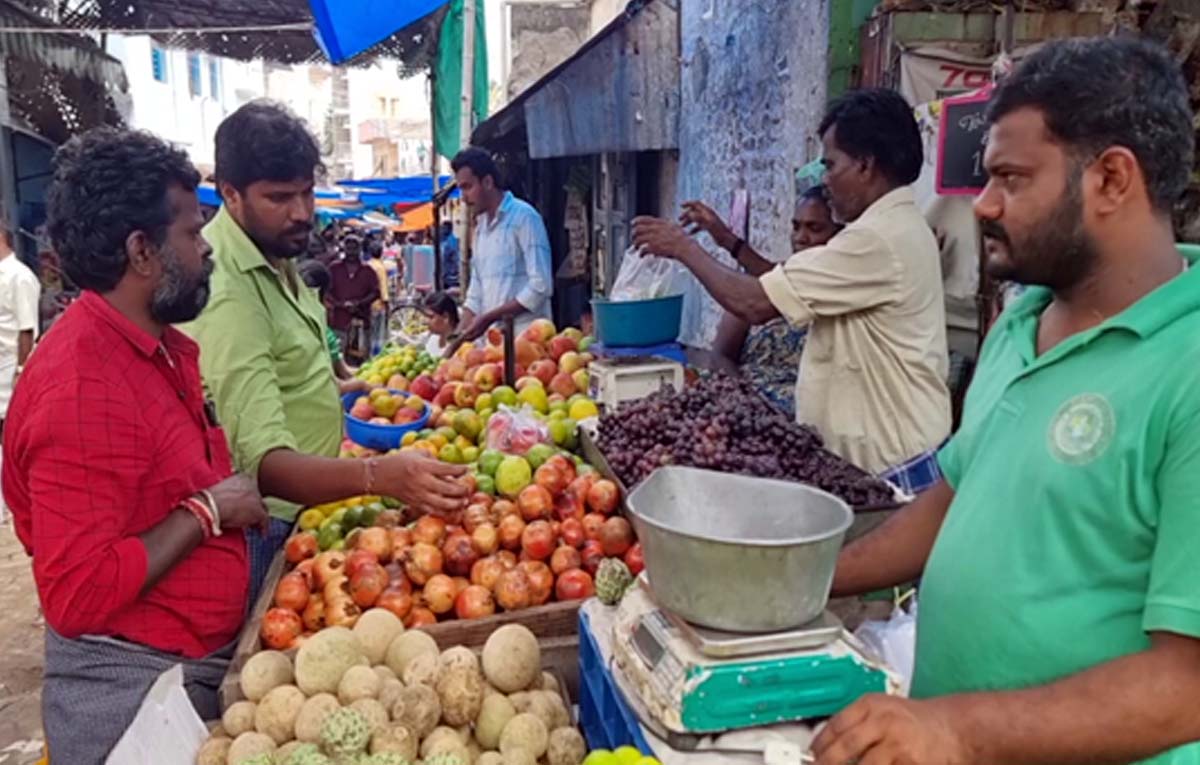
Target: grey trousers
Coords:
[[93, 687]]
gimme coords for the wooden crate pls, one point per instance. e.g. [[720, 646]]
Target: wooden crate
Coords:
[[555, 624]]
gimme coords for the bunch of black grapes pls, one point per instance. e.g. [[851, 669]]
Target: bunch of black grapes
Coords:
[[723, 423]]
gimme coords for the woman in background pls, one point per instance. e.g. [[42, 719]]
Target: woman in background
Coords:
[[442, 313]]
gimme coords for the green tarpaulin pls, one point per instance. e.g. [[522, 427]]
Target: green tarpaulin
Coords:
[[448, 80]]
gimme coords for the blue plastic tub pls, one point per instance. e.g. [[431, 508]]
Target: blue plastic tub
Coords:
[[379, 437], [604, 715], [637, 322]]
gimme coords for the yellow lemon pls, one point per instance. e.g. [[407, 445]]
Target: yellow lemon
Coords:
[[583, 409], [311, 519]]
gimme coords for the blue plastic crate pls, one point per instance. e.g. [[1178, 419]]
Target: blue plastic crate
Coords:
[[604, 715]]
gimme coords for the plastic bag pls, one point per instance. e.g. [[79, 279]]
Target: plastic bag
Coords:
[[516, 431], [643, 278], [166, 729], [894, 641]]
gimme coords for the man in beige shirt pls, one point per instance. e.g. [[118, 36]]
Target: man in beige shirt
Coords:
[[873, 374]]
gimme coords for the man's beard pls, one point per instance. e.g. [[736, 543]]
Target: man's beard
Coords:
[[281, 245], [179, 297], [1056, 253]]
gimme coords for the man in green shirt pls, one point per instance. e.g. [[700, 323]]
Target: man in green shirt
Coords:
[[1060, 579], [263, 352]]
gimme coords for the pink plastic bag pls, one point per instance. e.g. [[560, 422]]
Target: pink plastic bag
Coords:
[[516, 431]]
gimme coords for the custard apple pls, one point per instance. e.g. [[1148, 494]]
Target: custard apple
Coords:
[[345, 732], [443, 759], [612, 580], [258, 759], [306, 754], [385, 758]]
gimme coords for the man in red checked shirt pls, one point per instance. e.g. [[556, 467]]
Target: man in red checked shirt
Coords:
[[116, 472]]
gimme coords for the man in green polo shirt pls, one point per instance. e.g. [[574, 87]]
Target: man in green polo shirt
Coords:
[[1059, 565], [263, 351]]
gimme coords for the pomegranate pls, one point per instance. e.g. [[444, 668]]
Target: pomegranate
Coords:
[[592, 554], [580, 486], [468, 481], [342, 612], [338, 587], [501, 508], [367, 584], [420, 617], [616, 536], [572, 532], [513, 590], [507, 559], [314, 613], [292, 592], [541, 580], [401, 539], [574, 585], [300, 547], [460, 554], [327, 565], [482, 498], [535, 502], [568, 506], [551, 478], [538, 540], [429, 529], [486, 539], [603, 497], [634, 559], [475, 516], [486, 572], [564, 559], [395, 600], [565, 466], [439, 594], [358, 560], [474, 602], [305, 569], [511, 528], [377, 541], [389, 519], [460, 583], [592, 524], [422, 561], [280, 628]]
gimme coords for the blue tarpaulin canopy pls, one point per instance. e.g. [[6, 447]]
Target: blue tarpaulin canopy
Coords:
[[408, 190], [207, 194], [345, 28]]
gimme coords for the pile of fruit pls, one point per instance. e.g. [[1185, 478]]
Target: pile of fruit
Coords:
[[722, 423], [382, 407], [380, 695], [394, 363], [548, 537]]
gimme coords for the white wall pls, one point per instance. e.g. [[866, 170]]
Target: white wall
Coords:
[[168, 109]]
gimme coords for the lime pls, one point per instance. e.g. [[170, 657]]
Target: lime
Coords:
[[311, 519], [538, 454], [486, 484], [328, 535], [601, 757], [338, 545], [470, 453], [392, 503], [338, 515], [450, 453], [371, 513], [505, 395], [564, 432], [409, 438], [489, 460], [627, 755], [353, 518]]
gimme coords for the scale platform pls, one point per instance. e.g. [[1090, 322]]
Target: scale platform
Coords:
[[694, 680]]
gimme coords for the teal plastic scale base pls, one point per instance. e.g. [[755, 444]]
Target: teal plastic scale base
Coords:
[[695, 681]]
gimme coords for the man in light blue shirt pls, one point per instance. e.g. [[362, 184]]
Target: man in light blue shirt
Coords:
[[510, 261]]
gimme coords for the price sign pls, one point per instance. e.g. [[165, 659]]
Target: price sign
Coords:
[[962, 135]]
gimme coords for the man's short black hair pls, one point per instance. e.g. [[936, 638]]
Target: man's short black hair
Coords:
[[480, 162], [878, 123], [1110, 91], [107, 184], [263, 141]]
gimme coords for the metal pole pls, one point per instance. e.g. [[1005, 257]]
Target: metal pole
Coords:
[[510, 353], [438, 276], [468, 73]]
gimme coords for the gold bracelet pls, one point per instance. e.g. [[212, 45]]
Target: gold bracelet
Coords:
[[216, 511]]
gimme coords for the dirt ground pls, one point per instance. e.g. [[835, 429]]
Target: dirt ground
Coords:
[[21, 634]]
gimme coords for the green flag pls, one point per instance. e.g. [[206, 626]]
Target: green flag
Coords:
[[448, 80]]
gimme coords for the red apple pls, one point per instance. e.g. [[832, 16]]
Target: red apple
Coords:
[[571, 362], [424, 387], [563, 384], [464, 397], [445, 396], [488, 377], [545, 370], [455, 369]]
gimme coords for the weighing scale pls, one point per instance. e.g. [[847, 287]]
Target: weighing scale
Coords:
[[694, 680], [618, 379]]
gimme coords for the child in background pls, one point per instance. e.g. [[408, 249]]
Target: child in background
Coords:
[[442, 314]]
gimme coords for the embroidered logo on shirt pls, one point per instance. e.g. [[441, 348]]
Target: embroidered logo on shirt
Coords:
[[1082, 429]]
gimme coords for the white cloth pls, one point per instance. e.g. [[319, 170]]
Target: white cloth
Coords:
[[20, 293], [511, 261]]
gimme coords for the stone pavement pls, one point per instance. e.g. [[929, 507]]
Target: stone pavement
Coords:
[[21, 634]]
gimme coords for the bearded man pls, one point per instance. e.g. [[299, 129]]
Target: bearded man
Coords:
[[116, 471]]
